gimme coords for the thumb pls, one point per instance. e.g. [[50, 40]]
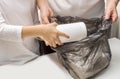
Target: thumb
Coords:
[[54, 24], [107, 14]]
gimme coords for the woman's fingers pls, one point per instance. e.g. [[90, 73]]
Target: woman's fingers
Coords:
[[58, 41], [50, 42], [53, 44], [63, 34], [51, 35], [46, 43]]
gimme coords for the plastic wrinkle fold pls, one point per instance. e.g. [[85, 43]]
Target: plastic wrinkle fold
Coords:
[[87, 57]]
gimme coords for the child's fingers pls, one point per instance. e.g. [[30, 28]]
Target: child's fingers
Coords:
[[45, 20], [107, 14], [51, 12], [114, 16]]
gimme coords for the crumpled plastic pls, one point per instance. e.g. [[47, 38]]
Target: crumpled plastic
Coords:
[[87, 57]]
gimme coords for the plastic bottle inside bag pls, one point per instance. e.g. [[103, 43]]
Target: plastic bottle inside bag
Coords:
[[76, 31]]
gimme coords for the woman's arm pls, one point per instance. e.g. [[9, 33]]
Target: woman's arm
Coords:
[[45, 10], [47, 32], [9, 32], [111, 10]]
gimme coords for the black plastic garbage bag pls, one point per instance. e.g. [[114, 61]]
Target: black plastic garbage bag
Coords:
[[87, 57]]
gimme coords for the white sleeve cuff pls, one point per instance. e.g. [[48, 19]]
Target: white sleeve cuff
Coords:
[[11, 33]]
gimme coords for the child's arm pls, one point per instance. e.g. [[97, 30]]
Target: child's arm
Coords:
[[45, 10]]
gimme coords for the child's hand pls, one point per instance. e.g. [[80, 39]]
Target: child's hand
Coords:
[[111, 10], [50, 34], [45, 10]]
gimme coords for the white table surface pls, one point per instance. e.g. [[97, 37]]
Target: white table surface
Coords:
[[48, 67]]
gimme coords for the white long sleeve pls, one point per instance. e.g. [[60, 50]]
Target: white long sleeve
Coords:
[[14, 14], [9, 32]]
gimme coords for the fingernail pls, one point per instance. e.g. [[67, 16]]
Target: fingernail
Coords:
[[68, 37]]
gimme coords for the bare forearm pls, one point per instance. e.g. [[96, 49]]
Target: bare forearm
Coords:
[[46, 32], [31, 31], [45, 11]]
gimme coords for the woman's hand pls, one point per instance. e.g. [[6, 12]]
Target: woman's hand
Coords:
[[46, 32], [50, 34], [45, 10], [111, 10]]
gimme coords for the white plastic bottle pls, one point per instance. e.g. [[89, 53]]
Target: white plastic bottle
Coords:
[[76, 31]]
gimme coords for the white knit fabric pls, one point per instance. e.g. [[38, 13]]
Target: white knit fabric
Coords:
[[81, 8], [13, 15]]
